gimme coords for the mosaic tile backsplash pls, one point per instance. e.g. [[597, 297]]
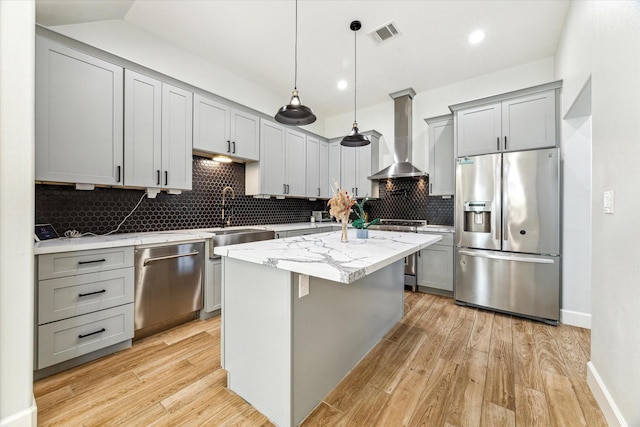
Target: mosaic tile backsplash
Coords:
[[409, 199], [101, 210]]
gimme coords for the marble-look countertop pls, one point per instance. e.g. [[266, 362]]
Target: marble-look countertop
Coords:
[[66, 244], [433, 228], [323, 255]]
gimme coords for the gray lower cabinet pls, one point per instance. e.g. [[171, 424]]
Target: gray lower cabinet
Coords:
[[435, 266], [212, 283], [84, 304]]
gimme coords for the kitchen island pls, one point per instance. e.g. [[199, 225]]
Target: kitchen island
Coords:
[[299, 313]]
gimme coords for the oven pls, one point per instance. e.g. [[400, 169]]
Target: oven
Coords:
[[411, 261]]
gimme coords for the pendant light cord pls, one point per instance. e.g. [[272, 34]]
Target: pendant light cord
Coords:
[[295, 78], [355, 77]]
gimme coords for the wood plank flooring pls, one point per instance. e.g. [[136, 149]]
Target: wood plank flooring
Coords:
[[442, 365]]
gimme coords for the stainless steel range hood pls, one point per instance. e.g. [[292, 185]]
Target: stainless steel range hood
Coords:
[[403, 142]]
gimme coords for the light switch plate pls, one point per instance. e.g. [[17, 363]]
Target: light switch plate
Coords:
[[608, 201], [303, 285]]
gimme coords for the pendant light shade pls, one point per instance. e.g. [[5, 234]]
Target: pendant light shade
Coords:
[[295, 113], [355, 138]]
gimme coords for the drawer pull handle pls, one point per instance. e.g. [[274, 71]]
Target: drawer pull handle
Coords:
[[91, 333], [162, 258], [92, 261], [92, 293]]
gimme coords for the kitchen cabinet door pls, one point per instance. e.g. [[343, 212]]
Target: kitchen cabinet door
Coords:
[[323, 173], [313, 167], [245, 135], [529, 122], [355, 168], [177, 137], [363, 171], [220, 129], [79, 117], [142, 130], [211, 126], [441, 157], [295, 156], [435, 265], [519, 123], [334, 167], [348, 169], [272, 161], [479, 130]]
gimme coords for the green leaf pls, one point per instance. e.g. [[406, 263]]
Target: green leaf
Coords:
[[358, 223]]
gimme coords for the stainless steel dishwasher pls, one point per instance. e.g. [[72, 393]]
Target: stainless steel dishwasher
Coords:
[[168, 286]]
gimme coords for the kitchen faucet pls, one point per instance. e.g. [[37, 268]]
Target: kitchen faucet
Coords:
[[233, 196]]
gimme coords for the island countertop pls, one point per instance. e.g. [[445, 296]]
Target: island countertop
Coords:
[[324, 256]]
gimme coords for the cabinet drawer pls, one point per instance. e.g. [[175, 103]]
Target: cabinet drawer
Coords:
[[447, 238], [75, 295], [70, 338], [51, 266]]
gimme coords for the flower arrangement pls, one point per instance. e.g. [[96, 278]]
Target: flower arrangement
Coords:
[[340, 209], [341, 204], [361, 221]]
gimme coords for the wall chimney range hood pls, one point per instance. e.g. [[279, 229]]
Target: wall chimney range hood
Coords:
[[402, 143]]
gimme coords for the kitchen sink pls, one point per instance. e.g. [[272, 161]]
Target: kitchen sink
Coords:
[[236, 236]]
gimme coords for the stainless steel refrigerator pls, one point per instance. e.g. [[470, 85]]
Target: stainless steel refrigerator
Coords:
[[508, 233]]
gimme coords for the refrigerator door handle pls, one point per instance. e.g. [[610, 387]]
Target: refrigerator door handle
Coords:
[[505, 203], [497, 205], [507, 258]]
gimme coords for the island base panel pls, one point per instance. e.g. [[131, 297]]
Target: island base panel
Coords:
[[283, 353]]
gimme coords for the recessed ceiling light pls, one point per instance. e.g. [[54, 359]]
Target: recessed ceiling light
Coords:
[[342, 84], [476, 37]]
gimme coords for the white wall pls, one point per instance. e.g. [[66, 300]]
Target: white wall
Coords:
[[127, 41], [576, 221], [601, 40], [435, 103], [17, 20]]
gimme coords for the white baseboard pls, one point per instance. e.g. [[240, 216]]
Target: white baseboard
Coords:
[[575, 318], [25, 418], [599, 389]]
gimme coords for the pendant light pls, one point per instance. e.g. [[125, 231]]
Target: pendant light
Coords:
[[355, 138], [295, 113]]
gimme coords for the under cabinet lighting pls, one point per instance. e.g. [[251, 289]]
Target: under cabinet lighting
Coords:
[[222, 159]]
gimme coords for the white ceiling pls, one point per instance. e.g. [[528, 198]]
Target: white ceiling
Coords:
[[255, 40]]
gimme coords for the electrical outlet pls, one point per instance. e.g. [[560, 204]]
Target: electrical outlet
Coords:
[[608, 201], [303, 285]]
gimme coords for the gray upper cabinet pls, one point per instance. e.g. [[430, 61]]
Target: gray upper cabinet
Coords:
[[441, 156], [313, 167], [518, 123], [355, 168], [282, 167], [325, 187], [334, 167], [177, 138], [295, 170], [142, 130], [79, 110], [158, 134], [220, 129]]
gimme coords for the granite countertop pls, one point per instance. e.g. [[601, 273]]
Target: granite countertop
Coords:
[[323, 255]]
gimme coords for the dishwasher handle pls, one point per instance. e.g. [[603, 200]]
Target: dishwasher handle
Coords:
[[162, 258]]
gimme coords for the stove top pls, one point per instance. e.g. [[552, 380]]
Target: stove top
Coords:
[[407, 225]]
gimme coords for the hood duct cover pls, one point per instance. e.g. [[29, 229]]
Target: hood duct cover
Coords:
[[403, 141]]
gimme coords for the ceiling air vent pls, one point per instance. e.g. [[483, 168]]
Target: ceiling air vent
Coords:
[[384, 33]]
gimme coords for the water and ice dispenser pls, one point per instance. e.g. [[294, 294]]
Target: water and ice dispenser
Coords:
[[477, 217]]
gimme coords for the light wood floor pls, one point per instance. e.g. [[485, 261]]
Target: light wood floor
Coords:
[[442, 365]]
